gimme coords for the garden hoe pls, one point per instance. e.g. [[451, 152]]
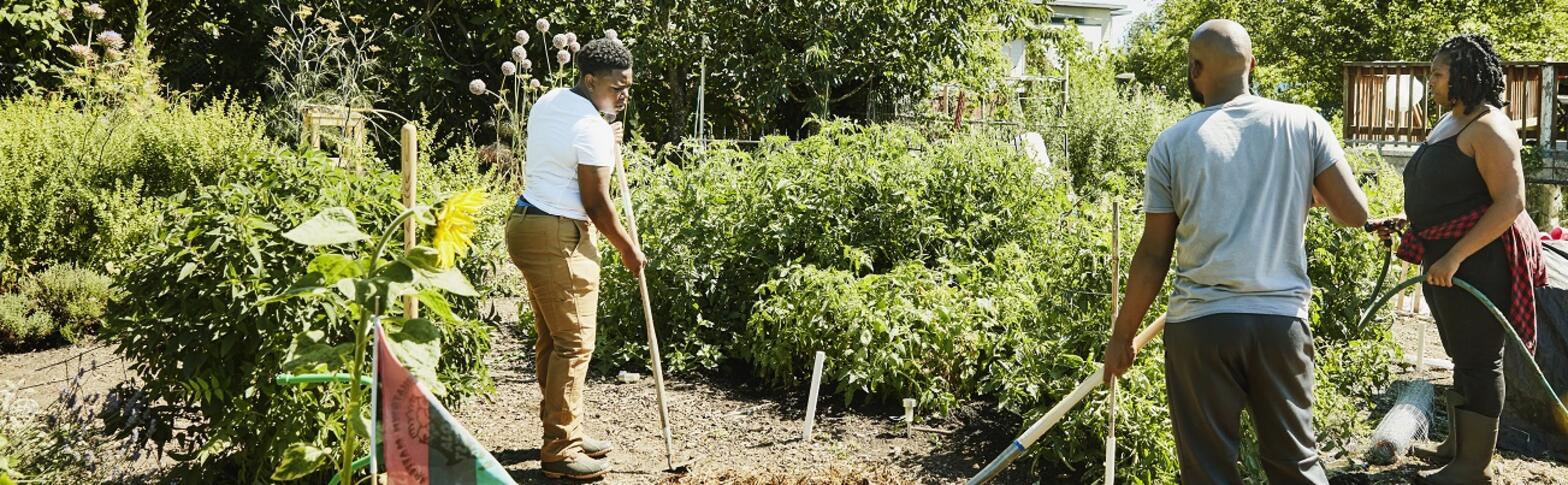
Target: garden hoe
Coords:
[[647, 314], [1058, 411]]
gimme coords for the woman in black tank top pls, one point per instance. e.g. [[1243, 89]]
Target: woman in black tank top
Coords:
[[1463, 197]]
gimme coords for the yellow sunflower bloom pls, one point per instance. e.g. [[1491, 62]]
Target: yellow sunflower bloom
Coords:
[[455, 226]]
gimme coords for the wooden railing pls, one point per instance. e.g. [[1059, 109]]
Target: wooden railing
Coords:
[[1390, 103]]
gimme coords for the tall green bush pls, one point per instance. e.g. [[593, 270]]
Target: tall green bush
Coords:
[[205, 350], [102, 177]]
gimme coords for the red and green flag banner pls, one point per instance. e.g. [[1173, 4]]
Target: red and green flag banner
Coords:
[[424, 444]]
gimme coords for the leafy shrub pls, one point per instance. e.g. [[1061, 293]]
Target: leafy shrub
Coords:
[[20, 321], [190, 325], [73, 297], [102, 177], [944, 271]]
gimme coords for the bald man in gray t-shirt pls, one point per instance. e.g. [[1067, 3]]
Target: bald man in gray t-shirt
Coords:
[[1230, 185]]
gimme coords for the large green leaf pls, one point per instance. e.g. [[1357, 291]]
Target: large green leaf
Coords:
[[451, 281], [334, 267], [299, 460], [330, 226], [436, 303], [417, 345], [424, 258]]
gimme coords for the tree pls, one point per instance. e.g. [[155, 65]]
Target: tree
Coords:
[[1300, 45], [771, 65]]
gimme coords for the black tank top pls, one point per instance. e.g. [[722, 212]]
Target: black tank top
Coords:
[[1443, 183]]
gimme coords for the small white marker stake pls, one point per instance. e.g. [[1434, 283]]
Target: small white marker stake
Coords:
[[811, 405], [909, 417]]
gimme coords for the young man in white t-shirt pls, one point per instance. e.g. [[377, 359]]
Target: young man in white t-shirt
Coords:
[[1227, 189], [570, 159]]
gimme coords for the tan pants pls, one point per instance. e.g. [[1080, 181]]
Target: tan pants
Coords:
[[560, 262]]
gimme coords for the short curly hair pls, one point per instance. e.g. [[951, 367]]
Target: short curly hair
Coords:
[[602, 56], [1475, 72]]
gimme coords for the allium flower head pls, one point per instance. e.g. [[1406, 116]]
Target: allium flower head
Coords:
[[65, 14], [508, 68], [477, 87], [571, 37], [521, 37], [574, 47], [559, 41], [82, 52], [542, 24], [563, 57], [111, 39], [94, 11], [526, 65], [519, 54], [533, 83]]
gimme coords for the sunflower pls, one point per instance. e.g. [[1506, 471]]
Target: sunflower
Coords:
[[455, 226]]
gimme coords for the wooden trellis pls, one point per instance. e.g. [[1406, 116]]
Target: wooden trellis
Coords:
[[351, 146]]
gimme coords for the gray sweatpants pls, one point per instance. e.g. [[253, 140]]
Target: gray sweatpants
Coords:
[[1219, 364]]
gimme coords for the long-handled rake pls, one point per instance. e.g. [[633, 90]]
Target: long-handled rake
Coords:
[[647, 313]]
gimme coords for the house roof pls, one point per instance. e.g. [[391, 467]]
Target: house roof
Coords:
[[1116, 8]]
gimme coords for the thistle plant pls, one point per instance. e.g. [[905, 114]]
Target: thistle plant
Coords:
[[370, 284], [105, 68]]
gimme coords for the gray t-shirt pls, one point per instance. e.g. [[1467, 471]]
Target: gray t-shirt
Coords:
[[1239, 176]]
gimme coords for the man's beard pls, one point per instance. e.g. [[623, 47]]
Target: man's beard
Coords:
[[1192, 91]]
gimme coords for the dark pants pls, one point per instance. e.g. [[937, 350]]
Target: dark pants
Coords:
[[1471, 335], [1219, 364]]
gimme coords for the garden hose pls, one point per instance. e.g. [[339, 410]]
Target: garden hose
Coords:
[[1496, 314], [1382, 277]]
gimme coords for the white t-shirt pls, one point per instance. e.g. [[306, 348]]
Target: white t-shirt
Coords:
[[1239, 177], [564, 131]]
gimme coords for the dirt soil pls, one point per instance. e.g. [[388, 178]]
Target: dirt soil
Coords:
[[740, 433]]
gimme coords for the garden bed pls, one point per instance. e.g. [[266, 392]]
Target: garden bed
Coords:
[[739, 432]]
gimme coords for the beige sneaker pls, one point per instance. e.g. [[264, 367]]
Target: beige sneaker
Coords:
[[596, 448], [581, 468]]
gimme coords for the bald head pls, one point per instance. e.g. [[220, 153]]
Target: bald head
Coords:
[[1221, 45], [1220, 52]]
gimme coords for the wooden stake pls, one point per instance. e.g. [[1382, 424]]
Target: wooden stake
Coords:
[[1116, 277], [410, 152]]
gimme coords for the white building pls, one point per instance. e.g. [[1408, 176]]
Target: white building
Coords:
[[1096, 20]]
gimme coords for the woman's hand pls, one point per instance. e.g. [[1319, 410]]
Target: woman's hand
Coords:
[[1442, 272]]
